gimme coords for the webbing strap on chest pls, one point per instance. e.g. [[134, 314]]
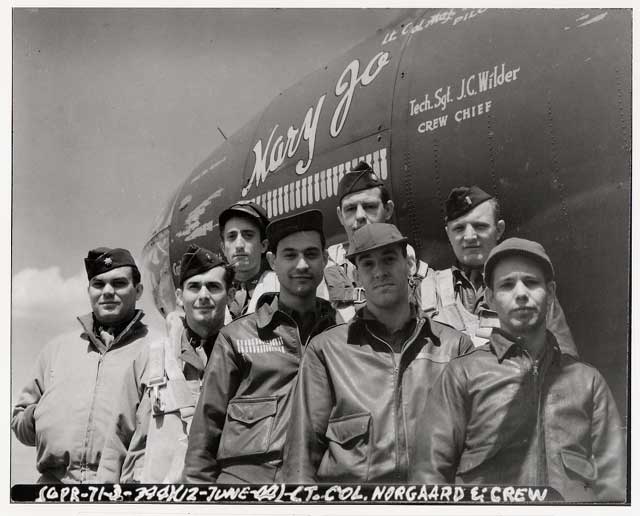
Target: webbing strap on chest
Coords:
[[268, 282], [444, 287]]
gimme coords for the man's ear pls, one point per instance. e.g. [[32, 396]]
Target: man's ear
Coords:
[[139, 290], [551, 288], [179, 300], [271, 258], [325, 257], [500, 226], [339, 212], [388, 210], [264, 245], [231, 295]]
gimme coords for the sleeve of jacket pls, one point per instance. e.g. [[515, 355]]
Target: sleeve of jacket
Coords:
[[306, 441], [557, 324], [444, 420], [125, 423], [608, 445], [221, 380], [465, 345], [23, 419]]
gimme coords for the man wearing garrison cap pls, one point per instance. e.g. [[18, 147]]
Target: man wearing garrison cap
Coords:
[[518, 411], [243, 240], [456, 295], [362, 199], [65, 407], [160, 390], [361, 384], [239, 426]]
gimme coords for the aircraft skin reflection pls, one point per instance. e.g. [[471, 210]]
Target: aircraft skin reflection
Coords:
[[532, 105]]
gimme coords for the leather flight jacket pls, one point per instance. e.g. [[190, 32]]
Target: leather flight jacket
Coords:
[[496, 416], [238, 429], [356, 402]]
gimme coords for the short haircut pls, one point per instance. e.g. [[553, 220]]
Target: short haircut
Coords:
[[135, 276], [384, 194], [496, 208]]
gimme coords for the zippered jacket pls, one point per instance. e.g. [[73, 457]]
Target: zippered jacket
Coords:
[[65, 410], [498, 417], [356, 402], [238, 429]]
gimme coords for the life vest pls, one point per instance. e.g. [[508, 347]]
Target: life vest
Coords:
[[173, 401], [439, 300]]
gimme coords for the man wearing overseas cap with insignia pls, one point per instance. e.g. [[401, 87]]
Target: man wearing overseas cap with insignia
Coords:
[[243, 241], [519, 411], [363, 199], [160, 390], [455, 296], [238, 430], [362, 384], [66, 407]]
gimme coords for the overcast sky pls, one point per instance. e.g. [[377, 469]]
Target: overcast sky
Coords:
[[112, 109]]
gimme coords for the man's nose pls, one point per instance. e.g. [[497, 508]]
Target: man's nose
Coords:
[[520, 290], [108, 290], [302, 263], [469, 233], [360, 213]]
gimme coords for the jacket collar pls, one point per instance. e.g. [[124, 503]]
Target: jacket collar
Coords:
[[135, 325], [501, 343], [267, 310]]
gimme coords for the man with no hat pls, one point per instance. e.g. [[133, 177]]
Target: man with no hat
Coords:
[[456, 295], [160, 389], [243, 241], [361, 384], [66, 406], [518, 410], [239, 427], [363, 199]]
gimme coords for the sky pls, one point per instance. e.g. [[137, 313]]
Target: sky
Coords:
[[112, 109]]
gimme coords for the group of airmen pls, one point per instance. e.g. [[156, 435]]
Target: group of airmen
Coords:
[[292, 363]]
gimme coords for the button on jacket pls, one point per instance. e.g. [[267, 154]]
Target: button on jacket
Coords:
[[238, 430], [498, 417], [65, 410], [356, 401]]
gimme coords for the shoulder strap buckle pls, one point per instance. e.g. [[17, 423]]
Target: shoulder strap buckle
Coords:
[[359, 295]]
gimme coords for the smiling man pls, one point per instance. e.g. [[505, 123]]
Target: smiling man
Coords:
[[456, 296], [518, 411], [65, 408], [361, 384], [239, 426], [160, 389]]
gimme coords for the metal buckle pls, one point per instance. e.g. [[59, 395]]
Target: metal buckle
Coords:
[[157, 406], [358, 295]]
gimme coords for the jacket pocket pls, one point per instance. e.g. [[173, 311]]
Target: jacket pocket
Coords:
[[578, 466], [248, 426], [347, 454]]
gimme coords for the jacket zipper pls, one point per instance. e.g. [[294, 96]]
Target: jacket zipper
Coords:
[[83, 462], [540, 448], [396, 396]]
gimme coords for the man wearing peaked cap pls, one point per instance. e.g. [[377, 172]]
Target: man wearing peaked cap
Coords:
[[361, 384], [555, 419], [363, 199], [456, 296], [243, 240], [160, 390], [238, 430], [72, 385]]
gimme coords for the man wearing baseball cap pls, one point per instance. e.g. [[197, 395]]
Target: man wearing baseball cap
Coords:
[[363, 199], [239, 426], [65, 408], [243, 240], [361, 384], [456, 296], [519, 411], [160, 390]]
